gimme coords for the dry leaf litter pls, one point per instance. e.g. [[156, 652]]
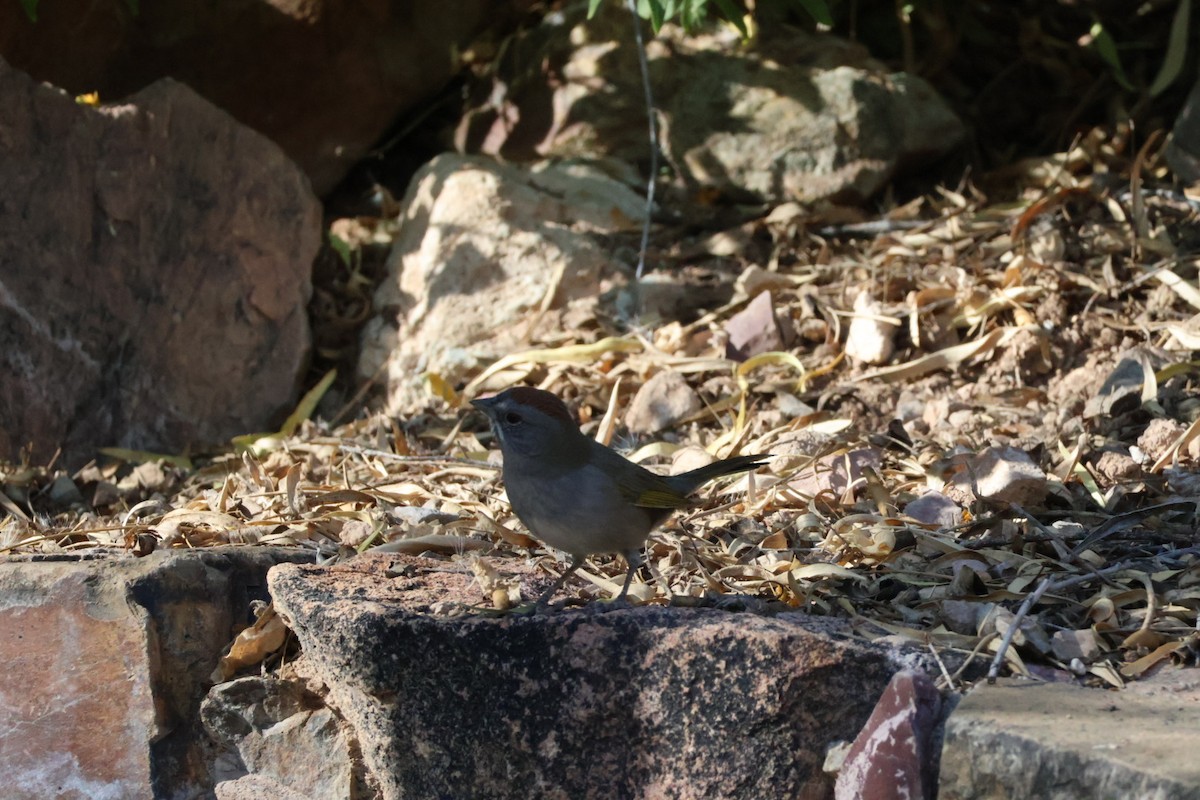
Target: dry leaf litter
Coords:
[[983, 416]]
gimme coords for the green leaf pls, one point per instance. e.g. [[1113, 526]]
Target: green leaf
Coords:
[[1176, 49], [657, 14], [342, 248], [30, 7], [692, 13], [593, 7], [1103, 42], [817, 9], [307, 404]]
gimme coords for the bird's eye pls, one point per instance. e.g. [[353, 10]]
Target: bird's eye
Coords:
[[513, 418]]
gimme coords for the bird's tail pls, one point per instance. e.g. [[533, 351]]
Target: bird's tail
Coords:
[[696, 478]]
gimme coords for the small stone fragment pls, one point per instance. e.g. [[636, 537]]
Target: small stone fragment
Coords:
[[1069, 645], [1159, 436], [662, 401], [1001, 474], [934, 508], [63, 492], [830, 473], [959, 616], [893, 756], [870, 336], [1121, 392], [1118, 467], [753, 330]]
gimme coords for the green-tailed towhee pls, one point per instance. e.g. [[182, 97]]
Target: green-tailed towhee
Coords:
[[577, 495]]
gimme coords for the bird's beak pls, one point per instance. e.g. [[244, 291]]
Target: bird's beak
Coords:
[[488, 406]]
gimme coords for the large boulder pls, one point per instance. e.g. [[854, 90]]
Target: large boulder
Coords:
[[485, 253], [156, 260], [643, 702], [796, 117]]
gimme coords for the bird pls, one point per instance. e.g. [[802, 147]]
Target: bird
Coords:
[[576, 495]]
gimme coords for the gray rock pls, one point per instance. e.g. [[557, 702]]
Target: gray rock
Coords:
[[1054, 740], [1183, 149], [479, 247], [282, 732], [796, 117]]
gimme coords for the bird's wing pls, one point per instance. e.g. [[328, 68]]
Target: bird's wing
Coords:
[[638, 485]]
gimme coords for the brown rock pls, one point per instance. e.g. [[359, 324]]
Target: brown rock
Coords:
[[753, 330], [662, 401], [646, 702], [894, 756], [322, 78], [158, 258], [76, 663], [107, 660]]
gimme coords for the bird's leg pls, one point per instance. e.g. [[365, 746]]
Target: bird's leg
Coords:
[[544, 600], [635, 560]]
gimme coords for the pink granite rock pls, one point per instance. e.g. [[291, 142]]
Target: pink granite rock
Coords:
[[643, 702], [105, 663]]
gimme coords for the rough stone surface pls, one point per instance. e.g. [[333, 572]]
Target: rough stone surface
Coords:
[[105, 665], [322, 78], [485, 250], [644, 702], [893, 757], [1064, 742], [258, 787], [154, 273], [278, 730], [797, 117]]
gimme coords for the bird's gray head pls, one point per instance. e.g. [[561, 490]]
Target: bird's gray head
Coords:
[[529, 422]]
